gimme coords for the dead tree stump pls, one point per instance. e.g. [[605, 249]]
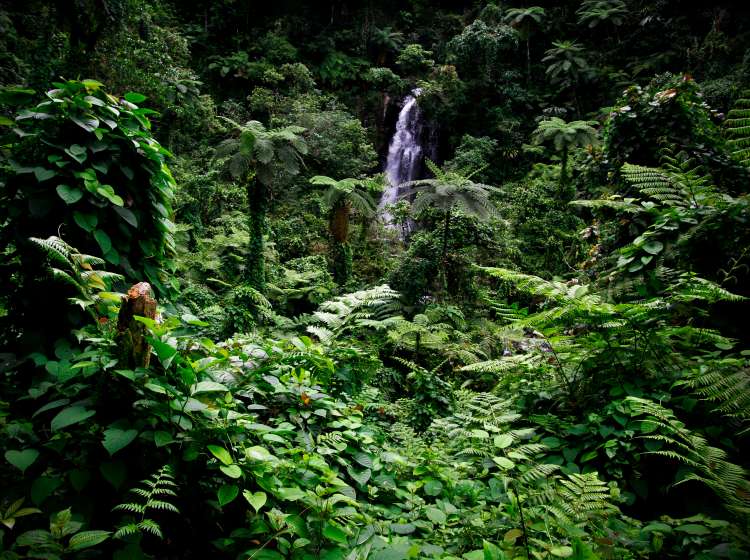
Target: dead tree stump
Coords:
[[133, 349]]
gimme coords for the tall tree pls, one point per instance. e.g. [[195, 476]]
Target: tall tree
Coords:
[[447, 192], [526, 20], [260, 158], [564, 136], [340, 198]]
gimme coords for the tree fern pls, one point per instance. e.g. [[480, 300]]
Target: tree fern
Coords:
[[152, 496], [737, 130]]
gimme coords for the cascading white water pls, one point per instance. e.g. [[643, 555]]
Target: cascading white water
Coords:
[[404, 151]]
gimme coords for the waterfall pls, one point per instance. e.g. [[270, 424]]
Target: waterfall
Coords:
[[405, 154]]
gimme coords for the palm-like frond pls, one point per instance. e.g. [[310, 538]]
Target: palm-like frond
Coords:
[[565, 135], [450, 190], [356, 192]]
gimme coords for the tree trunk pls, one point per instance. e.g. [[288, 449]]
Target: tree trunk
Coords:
[[341, 252], [446, 232], [528, 59], [339, 222], [564, 168], [257, 201], [133, 349]]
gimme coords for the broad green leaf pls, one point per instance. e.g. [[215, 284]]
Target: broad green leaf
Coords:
[[221, 454], [22, 460], [396, 551], [504, 462], [258, 453], [87, 122], [334, 533], [87, 539], [43, 487], [290, 494], [435, 515], [103, 240], [116, 439], [257, 499], [85, 221], [693, 529], [109, 193], [433, 487], [653, 247], [127, 215], [134, 97], [114, 472], [232, 471], [208, 387], [492, 551], [162, 438], [69, 416], [503, 440], [164, 351], [69, 194], [227, 493], [561, 551], [43, 174], [77, 152]]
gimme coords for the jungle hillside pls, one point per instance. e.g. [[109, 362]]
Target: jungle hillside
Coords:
[[374, 280]]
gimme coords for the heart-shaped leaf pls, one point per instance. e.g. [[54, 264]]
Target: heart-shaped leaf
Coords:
[[257, 499], [69, 416], [69, 194], [115, 439], [86, 222], [22, 460], [43, 174], [227, 494]]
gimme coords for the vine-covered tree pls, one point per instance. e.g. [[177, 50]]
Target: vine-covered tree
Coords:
[[260, 158]]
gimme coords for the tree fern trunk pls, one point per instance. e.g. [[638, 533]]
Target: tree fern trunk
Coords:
[[257, 201], [341, 252], [528, 58], [446, 232]]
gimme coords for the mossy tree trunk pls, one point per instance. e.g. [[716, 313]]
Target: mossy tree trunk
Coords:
[[133, 349], [341, 252]]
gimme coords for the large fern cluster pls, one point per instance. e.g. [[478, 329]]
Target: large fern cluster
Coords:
[[76, 270], [710, 465], [737, 130], [577, 501], [727, 386], [587, 341], [357, 310]]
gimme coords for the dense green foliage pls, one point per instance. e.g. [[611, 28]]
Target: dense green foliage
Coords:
[[539, 351]]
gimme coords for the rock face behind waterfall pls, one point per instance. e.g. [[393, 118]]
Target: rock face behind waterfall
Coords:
[[406, 151]]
